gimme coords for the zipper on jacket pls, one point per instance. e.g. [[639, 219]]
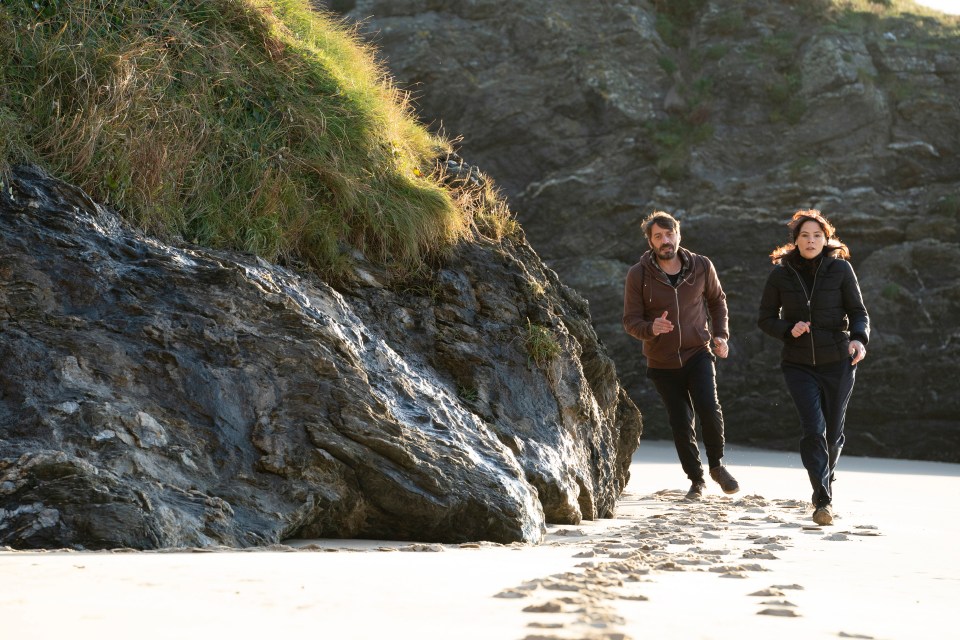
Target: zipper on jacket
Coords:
[[676, 294], [809, 296]]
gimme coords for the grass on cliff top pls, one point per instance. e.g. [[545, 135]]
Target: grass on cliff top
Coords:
[[257, 125]]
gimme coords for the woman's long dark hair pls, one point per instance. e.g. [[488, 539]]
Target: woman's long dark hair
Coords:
[[791, 253]]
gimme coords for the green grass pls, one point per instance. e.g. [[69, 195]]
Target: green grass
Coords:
[[673, 137], [675, 18], [948, 206], [784, 95], [261, 126], [729, 22], [541, 343]]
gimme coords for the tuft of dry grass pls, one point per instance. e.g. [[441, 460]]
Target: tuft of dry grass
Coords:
[[257, 125], [542, 344]]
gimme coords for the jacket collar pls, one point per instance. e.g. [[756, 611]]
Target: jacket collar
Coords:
[[827, 258], [686, 264]]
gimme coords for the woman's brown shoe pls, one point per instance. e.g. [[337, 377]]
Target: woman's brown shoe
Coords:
[[823, 515]]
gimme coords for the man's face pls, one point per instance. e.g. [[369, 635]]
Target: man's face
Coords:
[[664, 242]]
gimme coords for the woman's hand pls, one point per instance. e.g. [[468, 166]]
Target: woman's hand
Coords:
[[799, 329], [857, 351]]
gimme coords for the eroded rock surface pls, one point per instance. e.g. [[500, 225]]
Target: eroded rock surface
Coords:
[[154, 395], [731, 116]]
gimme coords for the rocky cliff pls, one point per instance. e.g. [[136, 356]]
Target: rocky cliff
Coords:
[[157, 395], [731, 116]]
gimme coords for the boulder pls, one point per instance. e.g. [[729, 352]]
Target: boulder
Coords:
[[164, 395]]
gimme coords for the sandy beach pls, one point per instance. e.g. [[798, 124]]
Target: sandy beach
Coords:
[[752, 565]]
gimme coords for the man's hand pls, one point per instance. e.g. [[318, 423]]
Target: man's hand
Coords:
[[721, 348], [662, 325]]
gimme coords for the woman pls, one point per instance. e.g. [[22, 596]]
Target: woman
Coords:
[[812, 303]]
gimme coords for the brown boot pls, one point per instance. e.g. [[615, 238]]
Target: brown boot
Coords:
[[696, 490], [726, 481]]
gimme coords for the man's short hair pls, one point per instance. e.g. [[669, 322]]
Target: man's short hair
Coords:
[[662, 219]]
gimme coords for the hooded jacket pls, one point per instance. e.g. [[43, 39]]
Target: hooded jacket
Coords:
[[831, 303], [648, 293]]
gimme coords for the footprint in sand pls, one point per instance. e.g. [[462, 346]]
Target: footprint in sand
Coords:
[[545, 625], [785, 613], [420, 548], [738, 569], [553, 606], [663, 493], [602, 636], [788, 587], [779, 603], [791, 504], [783, 608], [866, 530]]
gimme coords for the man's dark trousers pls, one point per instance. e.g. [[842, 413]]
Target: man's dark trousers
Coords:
[[689, 392]]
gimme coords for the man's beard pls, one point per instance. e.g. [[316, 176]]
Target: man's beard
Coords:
[[666, 252]]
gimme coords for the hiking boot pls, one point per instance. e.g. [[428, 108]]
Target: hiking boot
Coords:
[[823, 515], [726, 481], [696, 490]]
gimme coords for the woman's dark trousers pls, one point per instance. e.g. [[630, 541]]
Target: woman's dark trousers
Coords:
[[821, 394], [687, 392]]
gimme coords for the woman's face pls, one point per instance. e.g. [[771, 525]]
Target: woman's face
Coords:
[[811, 239]]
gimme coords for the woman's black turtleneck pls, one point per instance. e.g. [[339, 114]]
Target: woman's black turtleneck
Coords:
[[807, 268]]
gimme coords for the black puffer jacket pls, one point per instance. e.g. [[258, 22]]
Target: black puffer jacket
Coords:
[[835, 311]]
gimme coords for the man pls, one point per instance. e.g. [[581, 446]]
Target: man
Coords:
[[665, 304]]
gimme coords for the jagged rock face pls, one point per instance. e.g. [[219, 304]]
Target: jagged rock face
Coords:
[[589, 120], [162, 396]]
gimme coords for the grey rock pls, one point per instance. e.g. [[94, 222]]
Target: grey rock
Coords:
[[155, 395], [590, 115]]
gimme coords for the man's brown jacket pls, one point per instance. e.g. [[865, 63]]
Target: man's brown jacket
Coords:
[[648, 293]]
